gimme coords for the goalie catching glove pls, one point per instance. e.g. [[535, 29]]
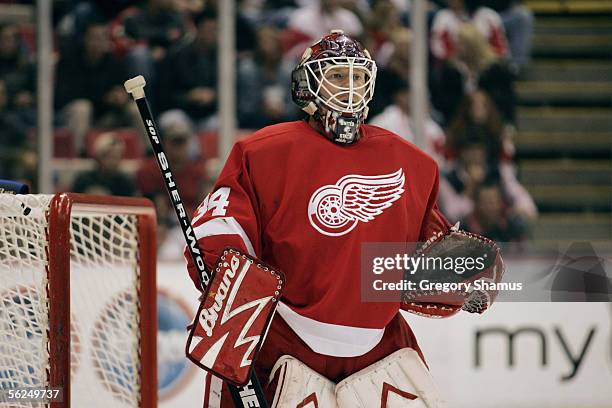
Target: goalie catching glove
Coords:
[[455, 248]]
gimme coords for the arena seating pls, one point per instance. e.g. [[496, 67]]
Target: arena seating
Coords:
[[564, 144]]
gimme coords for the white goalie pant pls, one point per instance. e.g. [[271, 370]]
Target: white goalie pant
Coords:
[[400, 380], [301, 387]]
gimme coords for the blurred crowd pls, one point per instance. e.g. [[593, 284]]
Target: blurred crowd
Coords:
[[477, 48]]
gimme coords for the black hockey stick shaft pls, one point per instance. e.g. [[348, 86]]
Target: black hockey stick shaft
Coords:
[[135, 87]]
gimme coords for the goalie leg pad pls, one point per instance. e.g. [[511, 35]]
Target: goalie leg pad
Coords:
[[400, 380], [299, 386]]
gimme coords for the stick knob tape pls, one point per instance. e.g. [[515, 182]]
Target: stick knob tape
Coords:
[[135, 86]]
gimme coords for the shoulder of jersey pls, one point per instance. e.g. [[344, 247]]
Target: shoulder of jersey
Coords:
[[379, 134], [281, 133]]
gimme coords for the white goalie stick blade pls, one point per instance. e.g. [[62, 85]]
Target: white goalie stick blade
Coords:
[[400, 380], [299, 386]]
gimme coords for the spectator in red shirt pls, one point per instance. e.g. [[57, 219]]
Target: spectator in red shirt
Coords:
[[475, 66], [189, 172], [518, 22], [447, 23], [384, 20], [315, 19]]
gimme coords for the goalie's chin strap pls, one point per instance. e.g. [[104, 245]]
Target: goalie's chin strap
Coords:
[[340, 129]]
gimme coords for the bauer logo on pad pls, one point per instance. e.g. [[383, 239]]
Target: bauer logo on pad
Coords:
[[233, 317]]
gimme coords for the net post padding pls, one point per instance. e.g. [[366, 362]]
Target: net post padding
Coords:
[[61, 209], [58, 292], [148, 315]]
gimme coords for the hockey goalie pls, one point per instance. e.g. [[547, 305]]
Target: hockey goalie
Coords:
[[303, 196]]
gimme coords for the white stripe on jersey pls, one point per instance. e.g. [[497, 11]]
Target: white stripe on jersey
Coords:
[[331, 339], [224, 226]]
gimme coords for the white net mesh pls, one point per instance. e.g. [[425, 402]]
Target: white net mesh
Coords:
[[104, 282], [24, 358], [104, 278]]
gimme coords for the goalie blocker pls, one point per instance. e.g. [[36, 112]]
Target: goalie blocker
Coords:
[[233, 317]]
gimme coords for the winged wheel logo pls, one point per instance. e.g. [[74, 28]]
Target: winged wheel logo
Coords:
[[335, 210]]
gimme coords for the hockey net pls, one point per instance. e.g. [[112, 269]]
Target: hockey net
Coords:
[[77, 298]]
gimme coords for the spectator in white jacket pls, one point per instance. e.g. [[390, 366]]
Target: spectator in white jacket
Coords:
[[447, 24]]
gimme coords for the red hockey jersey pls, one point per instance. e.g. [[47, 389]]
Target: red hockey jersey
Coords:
[[303, 204]]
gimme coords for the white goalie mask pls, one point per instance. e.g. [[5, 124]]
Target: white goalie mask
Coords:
[[334, 83], [343, 84]]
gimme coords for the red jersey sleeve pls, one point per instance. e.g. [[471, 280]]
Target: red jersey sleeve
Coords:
[[433, 221], [228, 216]]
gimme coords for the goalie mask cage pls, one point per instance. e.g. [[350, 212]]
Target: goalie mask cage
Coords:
[[77, 299]]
